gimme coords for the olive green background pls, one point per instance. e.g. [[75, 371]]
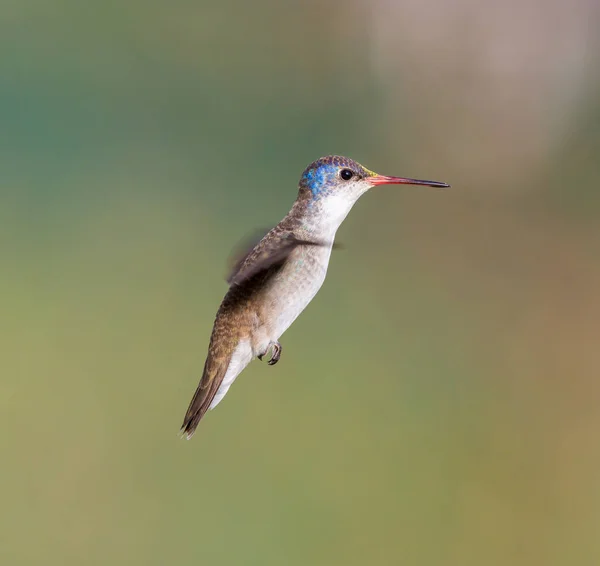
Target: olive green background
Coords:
[[439, 401]]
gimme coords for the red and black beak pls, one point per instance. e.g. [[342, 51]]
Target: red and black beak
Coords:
[[384, 180]]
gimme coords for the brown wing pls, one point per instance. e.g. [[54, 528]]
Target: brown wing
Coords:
[[271, 251], [242, 250]]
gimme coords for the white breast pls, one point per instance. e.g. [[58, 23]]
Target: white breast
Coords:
[[297, 285], [304, 273]]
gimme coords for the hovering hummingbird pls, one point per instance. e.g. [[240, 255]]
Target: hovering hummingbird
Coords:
[[274, 282]]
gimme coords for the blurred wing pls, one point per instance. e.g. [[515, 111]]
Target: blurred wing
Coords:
[[268, 253], [242, 250]]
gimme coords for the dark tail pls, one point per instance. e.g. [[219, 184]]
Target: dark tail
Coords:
[[212, 377]]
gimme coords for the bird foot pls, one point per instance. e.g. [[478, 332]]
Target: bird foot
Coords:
[[275, 348]]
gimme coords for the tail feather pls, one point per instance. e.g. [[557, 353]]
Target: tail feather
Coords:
[[212, 377]]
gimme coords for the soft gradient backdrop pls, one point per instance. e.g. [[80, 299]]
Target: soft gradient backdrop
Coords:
[[437, 404]]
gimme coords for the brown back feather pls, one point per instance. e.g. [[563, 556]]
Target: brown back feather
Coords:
[[215, 368]]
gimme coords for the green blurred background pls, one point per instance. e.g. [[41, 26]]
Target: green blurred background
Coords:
[[437, 404]]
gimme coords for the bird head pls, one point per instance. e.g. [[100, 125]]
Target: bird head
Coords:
[[336, 176]]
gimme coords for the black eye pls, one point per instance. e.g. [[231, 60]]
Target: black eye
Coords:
[[346, 174]]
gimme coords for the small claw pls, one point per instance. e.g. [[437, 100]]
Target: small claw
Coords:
[[276, 354], [275, 349]]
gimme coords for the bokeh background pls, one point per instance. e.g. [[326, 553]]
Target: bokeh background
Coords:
[[437, 404]]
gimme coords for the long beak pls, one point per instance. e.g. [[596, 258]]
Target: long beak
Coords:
[[383, 180]]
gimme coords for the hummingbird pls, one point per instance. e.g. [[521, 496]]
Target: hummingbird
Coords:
[[279, 276]]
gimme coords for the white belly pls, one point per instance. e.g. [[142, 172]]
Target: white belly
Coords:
[[296, 286]]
